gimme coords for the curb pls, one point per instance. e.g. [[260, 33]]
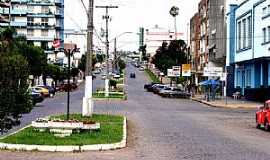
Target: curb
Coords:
[[220, 106], [48, 148]]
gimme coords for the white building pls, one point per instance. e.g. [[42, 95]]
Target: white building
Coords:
[[155, 36], [41, 21]]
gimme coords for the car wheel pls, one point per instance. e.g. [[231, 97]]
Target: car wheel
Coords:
[[258, 126], [266, 125]]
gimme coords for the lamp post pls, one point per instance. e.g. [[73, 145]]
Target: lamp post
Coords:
[[115, 48], [174, 11], [61, 55]]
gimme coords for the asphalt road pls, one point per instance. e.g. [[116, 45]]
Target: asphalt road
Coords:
[[164, 129]]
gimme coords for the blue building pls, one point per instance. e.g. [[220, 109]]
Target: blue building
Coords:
[[248, 49]]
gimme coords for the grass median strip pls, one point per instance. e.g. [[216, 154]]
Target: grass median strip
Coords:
[[152, 76], [111, 95], [111, 131]]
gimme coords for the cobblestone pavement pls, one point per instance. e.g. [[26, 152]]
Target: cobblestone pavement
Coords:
[[168, 129]]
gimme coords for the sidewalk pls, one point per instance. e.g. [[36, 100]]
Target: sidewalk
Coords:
[[231, 103]]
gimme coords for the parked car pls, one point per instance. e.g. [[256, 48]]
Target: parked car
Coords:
[[36, 97], [149, 87], [174, 93], [158, 87], [103, 77], [52, 90], [132, 75], [97, 71], [43, 91], [116, 76], [263, 116], [65, 87], [141, 68]]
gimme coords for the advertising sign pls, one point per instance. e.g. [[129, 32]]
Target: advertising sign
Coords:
[[186, 70], [174, 72], [212, 71]]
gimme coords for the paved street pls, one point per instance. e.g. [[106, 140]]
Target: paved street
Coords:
[[164, 129]]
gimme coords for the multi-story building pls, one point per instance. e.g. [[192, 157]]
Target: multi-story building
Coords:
[[208, 38], [204, 29], [195, 48], [41, 21], [248, 48], [4, 18], [216, 33], [155, 36]]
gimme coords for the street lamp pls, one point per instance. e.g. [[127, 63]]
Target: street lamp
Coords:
[[115, 48], [174, 11], [61, 55]]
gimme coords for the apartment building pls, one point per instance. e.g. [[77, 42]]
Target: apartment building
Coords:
[[41, 21], [195, 48]]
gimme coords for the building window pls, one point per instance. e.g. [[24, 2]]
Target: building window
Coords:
[[244, 33], [44, 33], [30, 32], [44, 21], [249, 31], [30, 9], [239, 35], [44, 9], [268, 33], [264, 11], [248, 77], [264, 35], [30, 21]]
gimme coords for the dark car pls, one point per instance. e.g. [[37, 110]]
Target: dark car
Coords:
[[178, 93], [36, 97], [149, 87], [132, 75], [52, 90], [65, 87]]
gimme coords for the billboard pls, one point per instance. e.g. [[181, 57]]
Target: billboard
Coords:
[[174, 72], [212, 71], [186, 70]]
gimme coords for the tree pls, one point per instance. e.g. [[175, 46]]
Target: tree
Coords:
[[82, 63], [14, 97], [15, 66], [174, 54], [74, 72], [121, 64]]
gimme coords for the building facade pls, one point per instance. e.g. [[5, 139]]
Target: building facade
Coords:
[[41, 21], [248, 48], [208, 38], [195, 48], [155, 36]]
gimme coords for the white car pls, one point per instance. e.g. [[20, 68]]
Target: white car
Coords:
[[141, 69]]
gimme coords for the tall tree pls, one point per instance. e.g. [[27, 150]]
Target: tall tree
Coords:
[[168, 55], [14, 72]]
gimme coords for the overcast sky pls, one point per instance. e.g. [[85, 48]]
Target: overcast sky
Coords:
[[131, 15]]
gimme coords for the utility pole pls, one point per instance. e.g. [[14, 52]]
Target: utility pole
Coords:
[[115, 55], [106, 17], [88, 104]]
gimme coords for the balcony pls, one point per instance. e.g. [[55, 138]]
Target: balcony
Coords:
[[39, 26], [59, 2], [40, 3], [45, 15], [18, 24], [39, 38], [5, 11], [19, 1]]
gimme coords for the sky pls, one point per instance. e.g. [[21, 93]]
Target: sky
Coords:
[[131, 15]]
